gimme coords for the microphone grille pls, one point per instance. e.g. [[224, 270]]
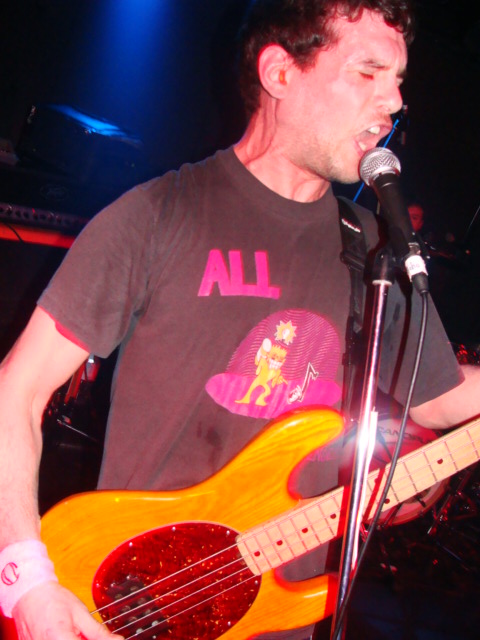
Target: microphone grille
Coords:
[[377, 161]]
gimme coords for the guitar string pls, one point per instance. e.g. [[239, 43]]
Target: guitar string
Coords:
[[271, 545], [184, 611], [161, 612], [414, 480], [183, 586], [414, 477], [330, 496], [216, 582], [225, 550], [150, 586], [181, 613], [429, 464], [174, 575]]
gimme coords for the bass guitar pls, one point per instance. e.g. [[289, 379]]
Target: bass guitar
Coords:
[[203, 562]]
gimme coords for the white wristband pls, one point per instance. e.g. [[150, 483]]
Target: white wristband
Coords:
[[23, 565]]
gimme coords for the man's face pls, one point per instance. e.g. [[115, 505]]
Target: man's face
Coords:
[[416, 216], [341, 107]]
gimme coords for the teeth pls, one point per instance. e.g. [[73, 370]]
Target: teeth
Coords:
[[374, 130], [362, 146]]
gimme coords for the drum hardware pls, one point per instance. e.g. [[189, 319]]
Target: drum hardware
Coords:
[[455, 496], [71, 403], [389, 519], [455, 529], [467, 354], [436, 542], [65, 421]]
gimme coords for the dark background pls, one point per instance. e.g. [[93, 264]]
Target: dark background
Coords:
[[163, 72]]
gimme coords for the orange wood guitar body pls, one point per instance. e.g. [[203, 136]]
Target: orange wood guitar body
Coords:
[[202, 562], [83, 530]]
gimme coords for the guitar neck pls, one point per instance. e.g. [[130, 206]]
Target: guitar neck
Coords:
[[318, 520]]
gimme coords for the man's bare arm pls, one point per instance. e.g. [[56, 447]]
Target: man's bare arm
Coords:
[[454, 407], [40, 361]]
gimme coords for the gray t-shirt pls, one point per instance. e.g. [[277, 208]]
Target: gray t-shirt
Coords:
[[201, 277], [229, 304]]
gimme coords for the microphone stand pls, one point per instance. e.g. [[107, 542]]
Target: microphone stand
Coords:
[[366, 436]]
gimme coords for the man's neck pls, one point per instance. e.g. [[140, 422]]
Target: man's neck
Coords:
[[259, 151]]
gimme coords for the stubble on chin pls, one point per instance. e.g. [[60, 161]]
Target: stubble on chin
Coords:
[[342, 172]]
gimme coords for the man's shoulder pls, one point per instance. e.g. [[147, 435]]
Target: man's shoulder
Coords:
[[187, 173]]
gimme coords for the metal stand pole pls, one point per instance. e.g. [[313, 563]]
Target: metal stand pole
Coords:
[[366, 435]]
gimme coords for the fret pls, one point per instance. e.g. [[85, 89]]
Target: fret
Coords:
[[327, 515], [473, 435], [463, 448], [440, 458], [425, 467], [317, 520], [302, 529], [280, 550], [397, 489], [252, 552], [372, 484], [290, 529], [417, 475]]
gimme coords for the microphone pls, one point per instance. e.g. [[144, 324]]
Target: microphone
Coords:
[[380, 169]]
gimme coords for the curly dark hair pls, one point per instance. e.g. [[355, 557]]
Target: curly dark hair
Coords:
[[302, 27]]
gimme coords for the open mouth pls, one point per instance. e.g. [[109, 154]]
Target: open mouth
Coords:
[[370, 137]]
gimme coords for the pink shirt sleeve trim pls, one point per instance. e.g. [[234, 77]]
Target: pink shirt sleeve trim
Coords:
[[66, 333]]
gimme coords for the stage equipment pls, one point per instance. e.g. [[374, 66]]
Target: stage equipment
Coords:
[[71, 406], [379, 168], [36, 188], [387, 435], [76, 144], [13, 214]]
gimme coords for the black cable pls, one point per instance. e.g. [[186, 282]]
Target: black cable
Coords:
[[13, 230], [468, 232], [374, 522]]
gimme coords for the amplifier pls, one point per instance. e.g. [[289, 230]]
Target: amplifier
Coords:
[[17, 214], [47, 191], [81, 146]]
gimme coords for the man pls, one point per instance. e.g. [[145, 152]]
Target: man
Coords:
[[222, 284], [417, 216]]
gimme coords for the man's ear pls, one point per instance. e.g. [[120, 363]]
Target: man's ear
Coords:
[[274, 70]]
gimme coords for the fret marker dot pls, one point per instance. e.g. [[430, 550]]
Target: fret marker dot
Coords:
[[279, 543], [440, 461], [305, 530], [257, 554], [333, 516]]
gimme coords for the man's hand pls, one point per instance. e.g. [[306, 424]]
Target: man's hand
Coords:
[[51, 612]]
